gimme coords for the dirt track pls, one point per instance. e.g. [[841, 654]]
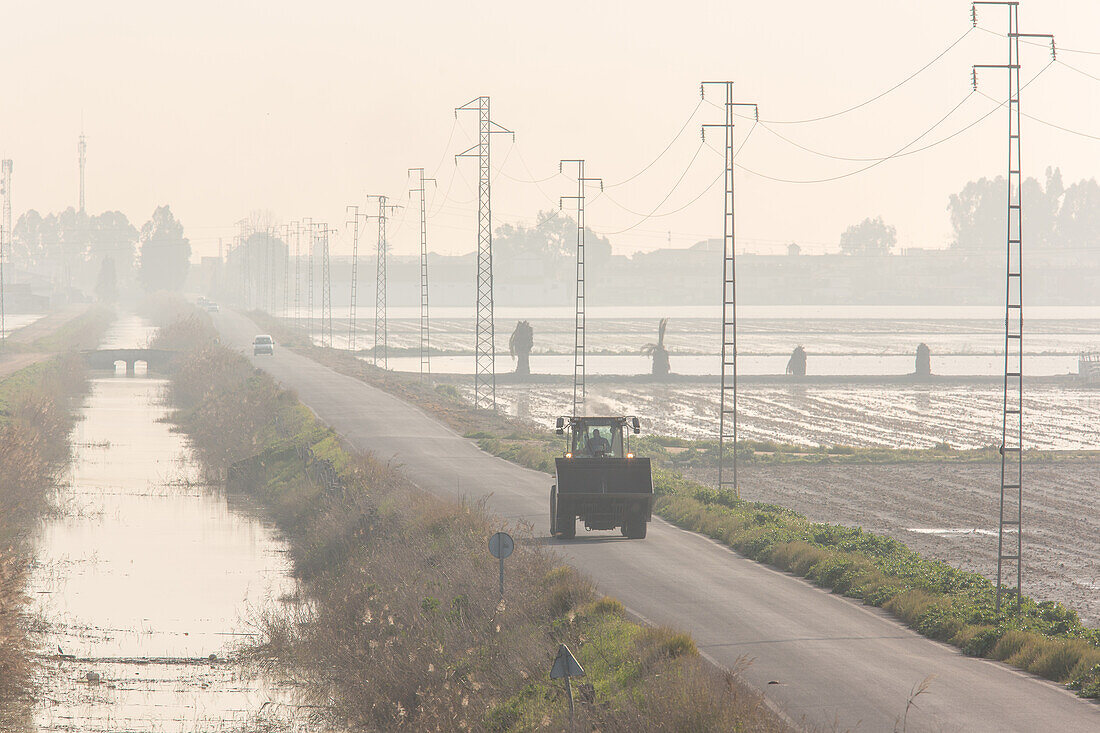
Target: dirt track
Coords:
[[1061, 519]]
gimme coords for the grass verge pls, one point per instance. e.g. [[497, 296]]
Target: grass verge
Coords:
[[398, 624], [35, 420], [937, 600]]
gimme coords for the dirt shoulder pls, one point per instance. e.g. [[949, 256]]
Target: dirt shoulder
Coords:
[[47, 324]]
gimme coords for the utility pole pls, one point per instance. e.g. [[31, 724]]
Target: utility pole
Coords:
[[272, 247], [425, 356], [579, 330], [354, 272], [286, 270], [1010, 529], [298, 274], [309, 298], [321, 232], [246, 269], [380, 333], [5, 242], [727, 402], [485, 379], [82, 150]]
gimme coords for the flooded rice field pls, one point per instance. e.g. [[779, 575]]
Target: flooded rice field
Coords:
[[840, 341], [850, 341], [146, 581], [896, 416]]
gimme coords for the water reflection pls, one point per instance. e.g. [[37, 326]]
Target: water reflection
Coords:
[[147, 578]]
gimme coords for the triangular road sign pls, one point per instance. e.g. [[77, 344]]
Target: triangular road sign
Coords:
[[566, 665]]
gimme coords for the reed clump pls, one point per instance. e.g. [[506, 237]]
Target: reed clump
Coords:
[[35, 420]]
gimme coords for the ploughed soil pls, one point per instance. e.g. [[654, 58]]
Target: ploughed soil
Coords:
[[956, 506]]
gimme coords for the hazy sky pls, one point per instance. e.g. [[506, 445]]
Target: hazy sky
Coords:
[[218, 109]]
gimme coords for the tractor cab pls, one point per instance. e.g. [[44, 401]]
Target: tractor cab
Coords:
[[597, 437]]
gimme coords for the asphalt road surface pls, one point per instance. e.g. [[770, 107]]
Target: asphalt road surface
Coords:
[[838, 665]]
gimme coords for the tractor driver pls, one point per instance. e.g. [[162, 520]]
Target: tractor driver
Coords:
[[598, 445]]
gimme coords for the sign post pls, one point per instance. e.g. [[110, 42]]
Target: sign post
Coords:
[[567, 666], [500, 546]]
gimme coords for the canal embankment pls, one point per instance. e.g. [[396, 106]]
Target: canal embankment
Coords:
[[39, 388]]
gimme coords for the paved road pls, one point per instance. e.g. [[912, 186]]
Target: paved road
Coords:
[[838, 664]]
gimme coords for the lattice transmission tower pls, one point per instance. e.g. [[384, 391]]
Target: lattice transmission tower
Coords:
[[82, 156], [298, 274], [322, 232], [5, 241], [727, 401], [380, 325], [1010, 533], [579, 325], [485, 379], [286, 270], [354, 221], [425, 347], [309, 279]]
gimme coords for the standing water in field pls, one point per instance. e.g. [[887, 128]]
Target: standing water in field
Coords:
[[146, 579]]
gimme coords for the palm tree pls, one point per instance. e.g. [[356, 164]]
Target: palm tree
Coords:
[[797, 364], [519, 346], [658, 351], [924, 361]]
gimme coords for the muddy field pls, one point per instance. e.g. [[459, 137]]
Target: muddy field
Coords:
[[949, 512]]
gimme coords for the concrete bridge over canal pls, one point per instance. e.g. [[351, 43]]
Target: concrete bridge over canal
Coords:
[[155, 360]]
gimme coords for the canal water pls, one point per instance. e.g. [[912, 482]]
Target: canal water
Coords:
[[147, 580]]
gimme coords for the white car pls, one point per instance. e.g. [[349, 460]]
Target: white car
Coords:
[[263, 344]]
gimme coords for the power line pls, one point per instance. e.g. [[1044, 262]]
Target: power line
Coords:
[[660, 154], [1045, 122], [698, 196], [1079, 71], [903, 151], [880, 95], [660, 203]]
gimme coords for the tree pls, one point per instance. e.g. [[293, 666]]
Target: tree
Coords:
[[106, 285], [112, 236], [796, 365], [520, 345], [923, 366], [165, 252], [978, 213], [28, 240], [552, 241], [1077, 222], [869, 237], [658, 351]]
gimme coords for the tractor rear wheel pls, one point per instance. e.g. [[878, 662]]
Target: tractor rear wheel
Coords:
[[553, 510], [634, 524], [565, 522]]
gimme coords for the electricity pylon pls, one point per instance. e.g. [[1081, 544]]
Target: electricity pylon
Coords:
[[354, 221], [485, 376], [1010, 528], [579, 325], [380, 326], [425, 348], [727, 402], [298, 274]]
